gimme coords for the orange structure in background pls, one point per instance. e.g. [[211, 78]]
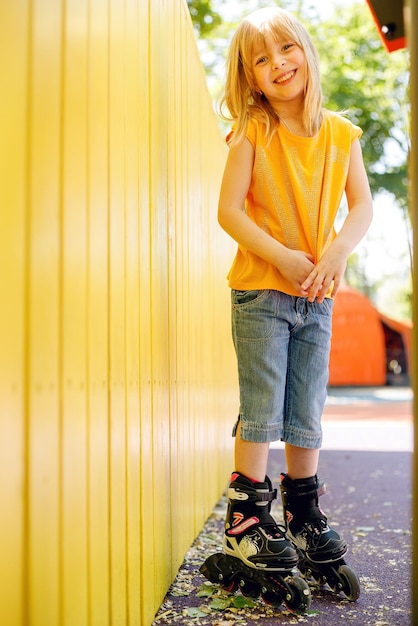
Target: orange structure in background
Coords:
[[389, 19], [368, 348]]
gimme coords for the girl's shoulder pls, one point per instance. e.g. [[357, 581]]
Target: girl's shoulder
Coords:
[[339, 122], [252, 128], [337, 118], [255, 130], [255, 122]]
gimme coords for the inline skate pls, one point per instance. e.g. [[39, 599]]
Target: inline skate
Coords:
[[257, 557], [321, 550]]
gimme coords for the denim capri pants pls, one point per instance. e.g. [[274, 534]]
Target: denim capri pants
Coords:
[[282, 344]]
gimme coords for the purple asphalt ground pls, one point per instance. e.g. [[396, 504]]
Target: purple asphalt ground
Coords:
[[368, 501]]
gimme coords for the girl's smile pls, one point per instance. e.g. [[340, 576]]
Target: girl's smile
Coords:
[[286, 77]]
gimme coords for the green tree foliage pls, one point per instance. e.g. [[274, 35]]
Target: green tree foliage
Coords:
[[204, 19], [361, 77]]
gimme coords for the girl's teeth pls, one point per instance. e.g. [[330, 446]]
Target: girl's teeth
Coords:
[[283, 78]]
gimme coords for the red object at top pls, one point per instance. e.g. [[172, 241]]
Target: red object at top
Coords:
[[388, 16]]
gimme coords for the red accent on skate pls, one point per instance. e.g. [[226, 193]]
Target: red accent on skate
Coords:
[[289, 516], [237, 518], [236, 475], [250, 521]]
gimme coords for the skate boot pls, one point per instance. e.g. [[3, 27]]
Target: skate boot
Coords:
[[321, 549], [257, 557]]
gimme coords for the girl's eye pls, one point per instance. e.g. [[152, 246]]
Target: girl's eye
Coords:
[[287, 46], [261, 60]]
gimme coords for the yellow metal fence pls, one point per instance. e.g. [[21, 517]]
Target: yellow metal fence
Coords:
[[116, 365]]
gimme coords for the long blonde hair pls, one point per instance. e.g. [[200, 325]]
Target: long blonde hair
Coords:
[[241, 98]]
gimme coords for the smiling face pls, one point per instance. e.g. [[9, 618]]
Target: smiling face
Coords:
[[273, 70], [279, 70]]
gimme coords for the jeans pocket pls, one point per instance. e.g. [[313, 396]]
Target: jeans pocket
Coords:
[[239, 298], [253, 314]]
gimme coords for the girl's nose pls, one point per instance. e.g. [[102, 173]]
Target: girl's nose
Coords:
[[278, 61]]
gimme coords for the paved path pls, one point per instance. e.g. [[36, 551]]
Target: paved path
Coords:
[[368, 418], [366, 462]]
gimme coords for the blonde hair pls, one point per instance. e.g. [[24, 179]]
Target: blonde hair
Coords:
[[241, 97]]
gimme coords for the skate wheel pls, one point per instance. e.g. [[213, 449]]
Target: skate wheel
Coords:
[[272, 599], [217, 569], [350, 583], [250, 589], [230, 587], [299, 599]]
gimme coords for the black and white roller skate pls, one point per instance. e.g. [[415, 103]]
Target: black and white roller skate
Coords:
[[257, 557], [321, 549]]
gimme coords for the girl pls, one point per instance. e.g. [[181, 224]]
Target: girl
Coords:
[[289, 163]]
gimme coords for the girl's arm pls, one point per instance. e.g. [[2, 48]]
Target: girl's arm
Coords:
[[331, 266], [294, 265]]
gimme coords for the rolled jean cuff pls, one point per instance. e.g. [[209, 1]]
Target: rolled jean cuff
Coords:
[[260, 433], [257, 432]]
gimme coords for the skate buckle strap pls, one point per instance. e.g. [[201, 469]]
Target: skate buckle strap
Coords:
[[250, 496], [268, 496]]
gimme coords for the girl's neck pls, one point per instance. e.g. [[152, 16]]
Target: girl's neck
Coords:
[[293, 122], [291, 109], [292, 119], [294, 126]]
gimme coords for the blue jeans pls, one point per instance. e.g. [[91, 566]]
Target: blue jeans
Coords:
[[282, 344]]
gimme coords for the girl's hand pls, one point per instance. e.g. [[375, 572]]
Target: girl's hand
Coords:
[[330, 269], [296, 266]]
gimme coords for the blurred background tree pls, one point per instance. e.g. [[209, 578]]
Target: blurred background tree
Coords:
[[203, 17], [370, 85]]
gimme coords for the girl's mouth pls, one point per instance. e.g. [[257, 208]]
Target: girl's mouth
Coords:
[[285, 77]]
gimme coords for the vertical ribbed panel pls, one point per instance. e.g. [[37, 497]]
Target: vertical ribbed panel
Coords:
[[117, 373]]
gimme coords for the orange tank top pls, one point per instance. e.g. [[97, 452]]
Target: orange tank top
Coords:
[[295, 192]]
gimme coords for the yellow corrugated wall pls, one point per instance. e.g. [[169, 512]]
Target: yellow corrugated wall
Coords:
[[117, 374]]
